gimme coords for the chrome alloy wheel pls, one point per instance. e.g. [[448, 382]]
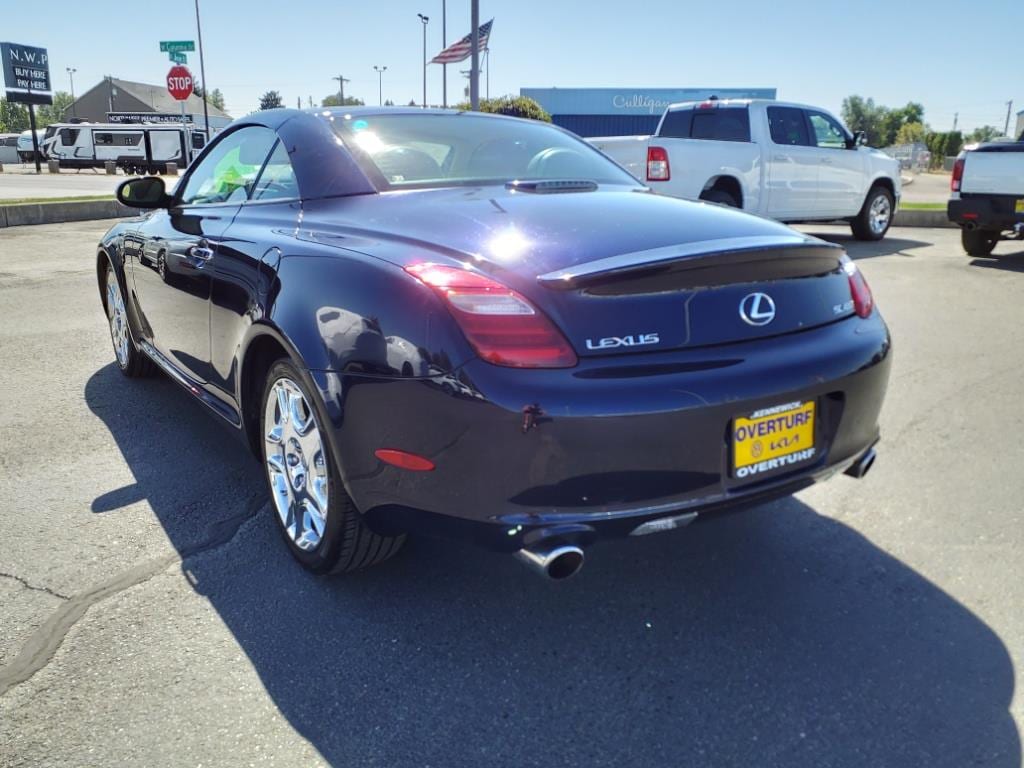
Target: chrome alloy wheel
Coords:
[[879, 214], [117, 315], [296, 464]]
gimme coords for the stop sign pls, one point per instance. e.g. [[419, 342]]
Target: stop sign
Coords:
[[179, 82]]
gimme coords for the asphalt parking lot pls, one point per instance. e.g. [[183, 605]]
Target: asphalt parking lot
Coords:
[[149, 615]]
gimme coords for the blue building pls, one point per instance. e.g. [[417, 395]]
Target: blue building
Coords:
[[624, 111]]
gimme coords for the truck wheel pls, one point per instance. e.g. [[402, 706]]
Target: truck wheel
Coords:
[[721, 197], [979, 242], [875, 217]]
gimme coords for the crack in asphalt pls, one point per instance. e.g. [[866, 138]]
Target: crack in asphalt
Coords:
[[25, 583], [42, 645]]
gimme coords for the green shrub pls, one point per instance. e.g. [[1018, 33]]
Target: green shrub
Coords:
[[515, 106]]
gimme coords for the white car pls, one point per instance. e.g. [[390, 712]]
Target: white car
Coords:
[[790, 162]]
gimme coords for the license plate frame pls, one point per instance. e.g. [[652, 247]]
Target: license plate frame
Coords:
[[770, 440]]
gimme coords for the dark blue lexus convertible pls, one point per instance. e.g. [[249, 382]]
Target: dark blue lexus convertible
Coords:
[[477, 326]]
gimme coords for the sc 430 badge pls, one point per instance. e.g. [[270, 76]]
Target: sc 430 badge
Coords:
[[612, 342]]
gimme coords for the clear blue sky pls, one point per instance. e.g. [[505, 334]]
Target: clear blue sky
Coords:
[[951, 56]]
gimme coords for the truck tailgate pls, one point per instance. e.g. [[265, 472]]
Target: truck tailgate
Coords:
[[628, 151], [995, 170]]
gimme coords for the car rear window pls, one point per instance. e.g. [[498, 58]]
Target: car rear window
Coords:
[[404, 151], [707, 123]]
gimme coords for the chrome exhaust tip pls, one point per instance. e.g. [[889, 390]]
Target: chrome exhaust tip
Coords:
[[863, 465], [553, 560]]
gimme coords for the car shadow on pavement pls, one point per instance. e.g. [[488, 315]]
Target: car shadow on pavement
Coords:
[[774, 637], [1008, 262], [862, 249]]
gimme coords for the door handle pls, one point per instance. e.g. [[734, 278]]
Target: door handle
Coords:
[[826, 161], [780, 158], [201, 253]]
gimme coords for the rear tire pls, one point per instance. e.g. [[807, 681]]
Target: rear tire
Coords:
[[979, 242], [130, 360], [721, 197], [318, 520], [875, 217]]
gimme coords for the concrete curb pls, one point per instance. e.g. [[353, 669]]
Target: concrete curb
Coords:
[[922, 219], [60, 212]]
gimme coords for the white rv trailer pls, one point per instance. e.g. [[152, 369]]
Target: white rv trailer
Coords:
[[136, 148]]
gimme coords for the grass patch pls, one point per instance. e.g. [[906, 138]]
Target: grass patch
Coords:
[[68, 199], [922, 206]]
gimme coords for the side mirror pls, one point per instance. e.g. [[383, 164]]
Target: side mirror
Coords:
[[144, 192], [860, 139]]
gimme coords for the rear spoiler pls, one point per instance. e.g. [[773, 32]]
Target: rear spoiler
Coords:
[[716, 262]]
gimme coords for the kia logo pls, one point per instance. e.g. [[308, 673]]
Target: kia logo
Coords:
[[757, 309]]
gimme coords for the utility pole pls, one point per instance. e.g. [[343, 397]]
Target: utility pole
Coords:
[[956, 119], [202, 74], [1009, 108], [341, 86], [425, 20], [444, 44], [487, 72], [310, 101], [298, 102], [71, 77], [474, 72], [380, 82]]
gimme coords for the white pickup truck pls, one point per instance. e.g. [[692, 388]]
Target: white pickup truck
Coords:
[[787, 161], [987, 199]]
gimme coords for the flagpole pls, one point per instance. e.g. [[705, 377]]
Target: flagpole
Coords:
[[474, 72]]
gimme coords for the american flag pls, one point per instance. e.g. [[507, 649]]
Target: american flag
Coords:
[[463, 49]]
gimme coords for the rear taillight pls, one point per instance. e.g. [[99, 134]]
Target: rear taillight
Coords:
[[657, 164], [958, 175], [503, 327], [860, 292]]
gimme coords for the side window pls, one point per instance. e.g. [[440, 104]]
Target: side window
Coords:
[[676, 125], [788, 126], [828, 134], [278, 178], [68, 136], [228, 173], [721, 124], [103, 139]]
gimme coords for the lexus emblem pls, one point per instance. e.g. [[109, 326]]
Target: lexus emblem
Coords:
[[757, 309]]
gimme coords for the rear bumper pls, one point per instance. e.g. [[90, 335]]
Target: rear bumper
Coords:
[[597, 450], [992, 212]]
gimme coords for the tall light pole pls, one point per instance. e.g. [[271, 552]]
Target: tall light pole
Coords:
[[474, 72], [425, 20], [444, 44], [341, 87], [71, 77], [380, 83]]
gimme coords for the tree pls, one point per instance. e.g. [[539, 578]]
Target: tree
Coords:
[[214, 98], [862, 114], [58, 112], [388, 103], [334, 101], [516, 106], [271, 100], [881, 124], [910, 133], [13, 117], [983, 133]]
